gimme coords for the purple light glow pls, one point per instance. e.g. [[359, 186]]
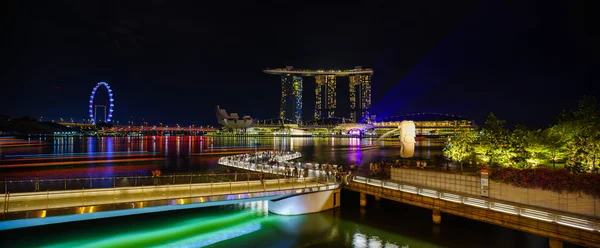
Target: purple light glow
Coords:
[[354, 132]]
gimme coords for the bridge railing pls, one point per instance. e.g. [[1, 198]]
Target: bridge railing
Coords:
[[97, 199], [283, 166], [43, 185], [519, 210], [37, 185]]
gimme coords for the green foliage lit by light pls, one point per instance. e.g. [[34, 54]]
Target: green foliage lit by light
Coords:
[[460, 146], [493, 147], [574, 141], [582, 131], [546, 147]]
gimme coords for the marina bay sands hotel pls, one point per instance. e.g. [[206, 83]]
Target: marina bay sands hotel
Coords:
[[325, 91]]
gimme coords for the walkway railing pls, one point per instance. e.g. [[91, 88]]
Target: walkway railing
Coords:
[[504, 207], [41, 194], [190, 192], [37, 185], [251, 164]]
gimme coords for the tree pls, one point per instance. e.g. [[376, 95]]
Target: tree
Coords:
[[494, 144], [575, 139], [460, 146], [581, 130], [584, 152], [516, 148], [546, 146]]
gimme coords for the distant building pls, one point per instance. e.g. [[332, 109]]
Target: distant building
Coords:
[[427, 124], [233, 121], [291, 98], [325, 92]]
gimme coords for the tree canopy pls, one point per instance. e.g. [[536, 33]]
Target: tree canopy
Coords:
[[574, 140]]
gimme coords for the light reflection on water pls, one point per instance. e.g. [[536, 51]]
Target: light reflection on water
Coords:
[[238, 225], [181, 153], [248, 224]]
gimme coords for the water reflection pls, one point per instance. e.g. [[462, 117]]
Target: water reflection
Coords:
[[407, 150], [248, 224], [186, 154]]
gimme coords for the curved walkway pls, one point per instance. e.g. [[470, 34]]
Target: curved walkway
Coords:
[[278, 163], [60, 200]]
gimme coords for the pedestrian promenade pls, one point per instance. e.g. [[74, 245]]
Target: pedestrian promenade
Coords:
[[46, 198]]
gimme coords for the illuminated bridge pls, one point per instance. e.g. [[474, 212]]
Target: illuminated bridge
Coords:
[[453, 194], [256, 164], [570, 219], [128, 128], [162, 130], [40, 202]]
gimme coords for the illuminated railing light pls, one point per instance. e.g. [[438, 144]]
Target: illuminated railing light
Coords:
[[575, 222], [578, 226], [391, 185], [475, 202], [428, 192], [374, 182], [409, 189], [451, 197], [360, 179], [535, 214], [505, 208]]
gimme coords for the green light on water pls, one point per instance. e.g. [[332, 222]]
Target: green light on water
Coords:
[[164, 235], [237, 225]]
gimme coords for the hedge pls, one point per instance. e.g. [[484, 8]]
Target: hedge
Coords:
[[543, 178]]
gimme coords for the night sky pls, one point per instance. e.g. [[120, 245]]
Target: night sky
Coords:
[[174, 61]]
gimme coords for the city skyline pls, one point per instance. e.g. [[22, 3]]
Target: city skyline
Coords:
[[294, 124]]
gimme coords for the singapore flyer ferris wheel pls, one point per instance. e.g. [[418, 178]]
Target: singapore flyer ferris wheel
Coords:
[[93, 109]]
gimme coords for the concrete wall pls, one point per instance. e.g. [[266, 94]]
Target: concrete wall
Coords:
[[471, 185], [444, 181], [567, 202], [306, 203]]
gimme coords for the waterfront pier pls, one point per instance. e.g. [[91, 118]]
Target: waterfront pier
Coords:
[[39, 202], [559, 226]]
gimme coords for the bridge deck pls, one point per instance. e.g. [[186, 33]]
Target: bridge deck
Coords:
[[562, 226], [37, 198], [77, 198]]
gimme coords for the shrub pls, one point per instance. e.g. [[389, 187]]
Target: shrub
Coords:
[[543, 178]]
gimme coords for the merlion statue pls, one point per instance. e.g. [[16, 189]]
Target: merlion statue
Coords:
[[407, 139]]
